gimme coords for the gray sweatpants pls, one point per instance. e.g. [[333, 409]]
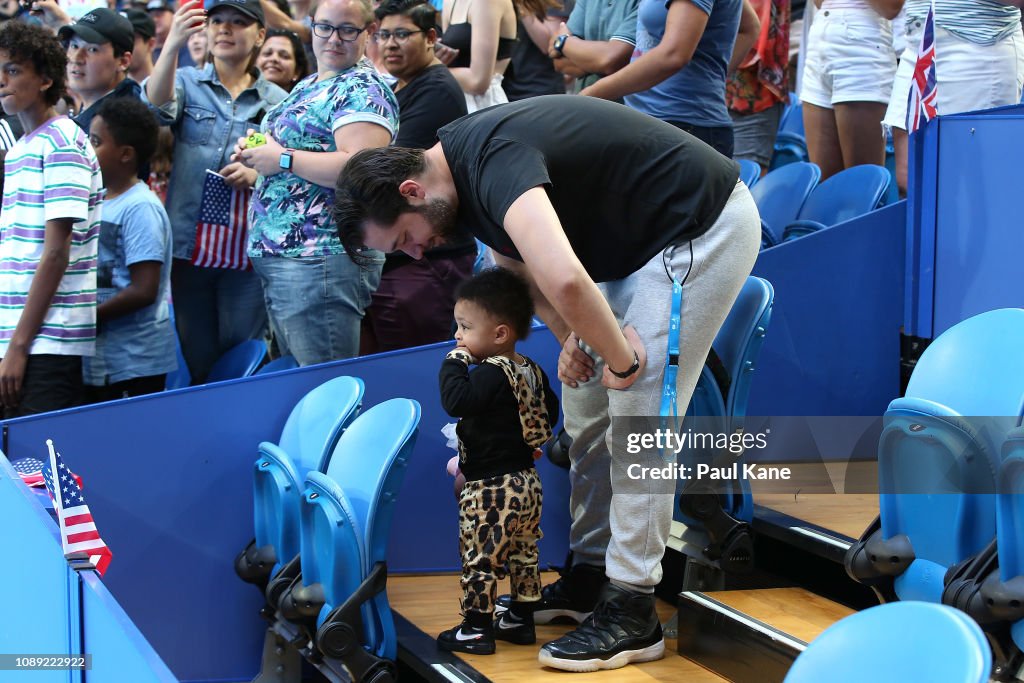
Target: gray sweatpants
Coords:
[[630, 537]]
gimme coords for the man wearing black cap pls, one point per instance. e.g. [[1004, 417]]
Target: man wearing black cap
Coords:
[[145, 40], [99, 47], [162, 14]]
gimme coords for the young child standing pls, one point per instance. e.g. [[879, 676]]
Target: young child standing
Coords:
[[507, 409], [134, 343], [48, 230]]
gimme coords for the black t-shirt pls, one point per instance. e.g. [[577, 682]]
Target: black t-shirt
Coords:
[[431, 100], [625, 185], [531, 72]]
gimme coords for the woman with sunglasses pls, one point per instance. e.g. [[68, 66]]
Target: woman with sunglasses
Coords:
[[218, 300], [315, 294]]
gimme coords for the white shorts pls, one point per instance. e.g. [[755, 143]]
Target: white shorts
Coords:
[[849, 58], [969, 76]]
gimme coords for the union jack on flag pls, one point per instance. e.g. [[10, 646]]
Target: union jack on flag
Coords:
[[223, 226], [922, 104], [77, 530]]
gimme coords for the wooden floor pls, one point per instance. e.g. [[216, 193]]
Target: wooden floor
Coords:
[[846, 513], [431, 602], [795, 611]]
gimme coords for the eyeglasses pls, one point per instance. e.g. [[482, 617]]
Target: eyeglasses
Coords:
[[345, 33], [401, 36]]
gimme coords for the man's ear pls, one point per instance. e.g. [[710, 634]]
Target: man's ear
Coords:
[[431, 36], [124, 61], [412, 189]]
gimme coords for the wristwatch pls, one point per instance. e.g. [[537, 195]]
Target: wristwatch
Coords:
[[632, 368], [559, 44], [286, 159]]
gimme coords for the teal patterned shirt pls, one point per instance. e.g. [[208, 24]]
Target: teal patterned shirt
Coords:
[[291, 216]]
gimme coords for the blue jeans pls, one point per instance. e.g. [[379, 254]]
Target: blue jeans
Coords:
[[316, 303], [215, 309], [718, 137]]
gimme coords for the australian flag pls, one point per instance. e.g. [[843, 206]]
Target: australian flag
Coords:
[[922, 105], [223, 226], [78, 534]]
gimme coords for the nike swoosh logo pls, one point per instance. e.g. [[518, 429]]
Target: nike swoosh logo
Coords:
[[459, 635]]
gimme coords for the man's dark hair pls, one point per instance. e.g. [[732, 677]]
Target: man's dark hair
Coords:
[[131, 123], [367, 189], [419, 12], [504, 295], [30, 44]]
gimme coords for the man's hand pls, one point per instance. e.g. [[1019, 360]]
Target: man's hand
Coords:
[[574, 364], [12, 373], [613, 382]]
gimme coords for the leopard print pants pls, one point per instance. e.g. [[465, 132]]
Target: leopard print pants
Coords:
[[499, 525]]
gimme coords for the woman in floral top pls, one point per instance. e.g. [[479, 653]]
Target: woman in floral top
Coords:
[[315, 294], [758, 89]]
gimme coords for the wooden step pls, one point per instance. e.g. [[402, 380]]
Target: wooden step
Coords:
[[425, 605], [752, 636]]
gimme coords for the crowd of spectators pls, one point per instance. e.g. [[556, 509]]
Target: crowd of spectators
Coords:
[[321, 80]]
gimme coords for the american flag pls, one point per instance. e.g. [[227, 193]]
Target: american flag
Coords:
[[223, 226], [77, 531], [922, 104]]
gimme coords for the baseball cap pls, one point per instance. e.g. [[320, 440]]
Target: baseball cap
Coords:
[[250, 8], [100, 26], [154, 5], [141, 22]]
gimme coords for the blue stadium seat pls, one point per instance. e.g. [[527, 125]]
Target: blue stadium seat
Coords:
[[279, 364], [179, 378], [790, 142], [894, 643], [309, 435], [848, 194], [938, 459], [240, 361], [738, 346], [345, 522], [780, 196], [750, 171]]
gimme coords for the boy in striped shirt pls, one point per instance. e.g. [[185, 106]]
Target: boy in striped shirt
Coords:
[[48, 232]]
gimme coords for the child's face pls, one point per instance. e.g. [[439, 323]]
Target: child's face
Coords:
[[477, 331], [109, 154], [21, 87]]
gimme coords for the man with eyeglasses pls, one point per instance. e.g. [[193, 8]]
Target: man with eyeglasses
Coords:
[[413, 303]]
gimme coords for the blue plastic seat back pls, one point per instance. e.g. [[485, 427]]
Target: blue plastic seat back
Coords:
[[792, 121], [317, 421], [277, 488], [975, 367], [848, 194], [279, 364], [937, 476], [781, 194], [179, 378], [369, 464], [1010, 518], [894, 643], [240, 361], [750, 171]]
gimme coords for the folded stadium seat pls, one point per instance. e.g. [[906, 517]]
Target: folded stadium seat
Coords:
[[848, 194], [790, 141], [309, 435], [938, 459], [899, 642], [750, 172], [780, 196], [240, 361], [178, 378], [339, 599], [726, 515], [279, 364]]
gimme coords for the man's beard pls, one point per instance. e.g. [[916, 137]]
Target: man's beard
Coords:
[[441, 216]]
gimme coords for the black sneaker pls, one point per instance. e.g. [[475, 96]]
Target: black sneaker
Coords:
[[475, 635], [572, 596], [623, 628], [514, 628]]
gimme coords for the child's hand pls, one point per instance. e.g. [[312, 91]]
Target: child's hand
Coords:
[[462, 353]]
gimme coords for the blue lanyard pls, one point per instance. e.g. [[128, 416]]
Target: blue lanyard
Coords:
[[669, 399]]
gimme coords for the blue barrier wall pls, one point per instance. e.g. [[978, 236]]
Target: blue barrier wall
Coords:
[[168, 479], [833, 347]]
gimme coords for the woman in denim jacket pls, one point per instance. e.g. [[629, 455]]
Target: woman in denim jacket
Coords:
[[217, 297]]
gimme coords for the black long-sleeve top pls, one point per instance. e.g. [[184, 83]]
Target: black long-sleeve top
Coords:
[[490, 429]]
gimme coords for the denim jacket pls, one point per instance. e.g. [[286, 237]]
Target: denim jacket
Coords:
[[206, 124]]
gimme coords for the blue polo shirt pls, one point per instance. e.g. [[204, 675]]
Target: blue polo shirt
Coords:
[[696, 93], [603, 20]]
